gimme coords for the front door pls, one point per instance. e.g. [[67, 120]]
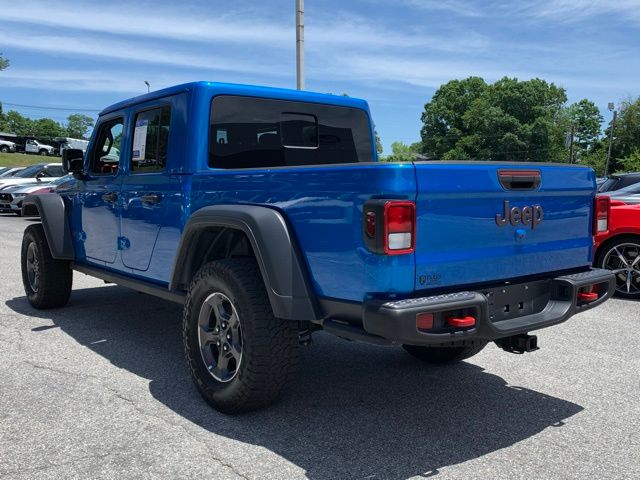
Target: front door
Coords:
[[100, 198]]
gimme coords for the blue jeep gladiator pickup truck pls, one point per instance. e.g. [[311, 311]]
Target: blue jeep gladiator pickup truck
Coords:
[[267, 215]]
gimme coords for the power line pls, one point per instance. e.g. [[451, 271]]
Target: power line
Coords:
[[42, 107]]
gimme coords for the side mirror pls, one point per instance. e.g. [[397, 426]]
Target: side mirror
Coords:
[[73, 160]]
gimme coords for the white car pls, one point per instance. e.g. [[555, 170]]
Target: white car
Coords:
[[39, 172], [6, 146], [34, 146], [11, 197]]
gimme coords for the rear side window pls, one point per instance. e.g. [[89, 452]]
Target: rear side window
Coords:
[[248, 132], [150, 140]]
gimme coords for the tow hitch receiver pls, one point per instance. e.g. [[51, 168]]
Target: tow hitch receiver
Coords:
[[519, 343]]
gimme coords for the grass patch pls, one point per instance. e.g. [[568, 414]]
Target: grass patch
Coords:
[[24, 160]]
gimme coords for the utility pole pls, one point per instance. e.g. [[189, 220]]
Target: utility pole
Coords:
[[613, 126], [300, 44], [571, 133]]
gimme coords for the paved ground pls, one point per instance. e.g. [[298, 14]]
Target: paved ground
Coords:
[[100, 390]]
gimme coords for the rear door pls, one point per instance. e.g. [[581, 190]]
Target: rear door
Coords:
[[151, 200], [483, 222]]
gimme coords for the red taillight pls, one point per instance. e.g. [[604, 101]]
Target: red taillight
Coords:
[[601, 208], [370, 224], [399, 227]]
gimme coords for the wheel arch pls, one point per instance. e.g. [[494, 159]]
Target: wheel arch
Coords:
[[211, 229], [611, 240], [53, 215]]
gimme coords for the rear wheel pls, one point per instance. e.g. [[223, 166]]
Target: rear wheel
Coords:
[[442, 355], [47, 281], [240, 355], [622, 257]]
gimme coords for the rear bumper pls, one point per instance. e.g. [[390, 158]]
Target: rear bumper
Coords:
[[544, 303]]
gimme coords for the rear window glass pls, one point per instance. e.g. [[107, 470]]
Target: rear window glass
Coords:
[[248, 132]]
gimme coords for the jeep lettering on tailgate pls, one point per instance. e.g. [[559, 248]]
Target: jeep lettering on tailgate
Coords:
[[526, 215]]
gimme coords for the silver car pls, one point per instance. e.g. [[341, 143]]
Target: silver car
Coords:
[[629, 195]]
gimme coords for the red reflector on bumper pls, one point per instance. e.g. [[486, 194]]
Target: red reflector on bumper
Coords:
[[587, 297], [467, 321], [424, 321]]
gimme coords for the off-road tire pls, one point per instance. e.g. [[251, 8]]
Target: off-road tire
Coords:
[[270, 346], [442, 355], [55, 277]]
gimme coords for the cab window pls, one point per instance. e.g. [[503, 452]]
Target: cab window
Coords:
[[105, 156], [150, 140]]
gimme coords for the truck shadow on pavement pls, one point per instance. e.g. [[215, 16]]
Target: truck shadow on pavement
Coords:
[[355, 411]]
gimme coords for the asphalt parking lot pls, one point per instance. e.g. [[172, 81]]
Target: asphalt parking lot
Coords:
[[100, 389]]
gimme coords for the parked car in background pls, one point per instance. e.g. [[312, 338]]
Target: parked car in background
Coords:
[[34, 146], [10, 172], [42, 171], [11, 197], [6, 146], [629, 195], [618, 181], [617, 245]]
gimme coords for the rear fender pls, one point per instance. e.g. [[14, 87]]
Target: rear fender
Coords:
[[275, 250]]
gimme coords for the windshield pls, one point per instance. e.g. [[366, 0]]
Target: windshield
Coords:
[[29, 172]]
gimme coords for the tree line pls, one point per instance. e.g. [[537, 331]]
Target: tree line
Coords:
[[76, 126], [512, 120]]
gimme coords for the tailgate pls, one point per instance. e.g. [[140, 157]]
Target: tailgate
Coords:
[[463, 237]]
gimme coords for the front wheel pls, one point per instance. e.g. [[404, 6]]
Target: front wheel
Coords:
[[4, 149], [44, 152], [47, 281], [442, 355], [239, 354]]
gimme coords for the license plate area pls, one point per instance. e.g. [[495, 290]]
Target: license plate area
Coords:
[[517, 300]]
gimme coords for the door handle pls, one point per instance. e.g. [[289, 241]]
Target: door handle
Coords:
[[110, 197], [151, 198]]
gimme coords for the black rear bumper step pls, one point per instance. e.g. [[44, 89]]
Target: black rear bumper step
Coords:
[[396, 320]]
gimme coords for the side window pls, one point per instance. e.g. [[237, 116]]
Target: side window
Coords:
[[150, 140], [105, 156]]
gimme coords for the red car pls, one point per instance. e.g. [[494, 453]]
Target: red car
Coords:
[[617, 243]]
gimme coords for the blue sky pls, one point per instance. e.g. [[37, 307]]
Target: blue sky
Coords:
[[86, 55]]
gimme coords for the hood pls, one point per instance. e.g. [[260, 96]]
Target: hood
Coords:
[[24, 181]]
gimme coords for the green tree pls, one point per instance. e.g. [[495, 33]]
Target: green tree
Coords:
[[17, 124], [402, 152], [78, 125], [507, 120], [626, 136], [4, 63], [631, 163], [586, 120], [378, 142], [45, 127]]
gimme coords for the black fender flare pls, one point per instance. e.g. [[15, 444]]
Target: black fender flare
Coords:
[[275, 249], [53, 214]]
